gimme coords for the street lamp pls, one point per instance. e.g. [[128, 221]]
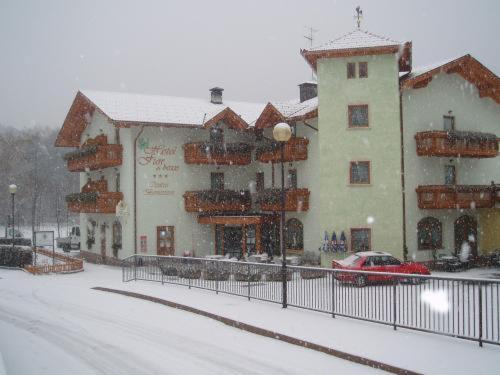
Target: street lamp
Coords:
[[282, 133], [12, 191]]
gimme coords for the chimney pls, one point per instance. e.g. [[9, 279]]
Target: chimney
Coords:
[[216, 95], [308, 90]]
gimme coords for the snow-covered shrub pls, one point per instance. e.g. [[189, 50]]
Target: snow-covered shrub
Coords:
[[277, 275], [189, 272], [168, 270], [310, 258], [312, 274], [15, 257]]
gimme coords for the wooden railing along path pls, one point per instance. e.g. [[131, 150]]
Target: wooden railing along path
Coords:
[[70, 264]]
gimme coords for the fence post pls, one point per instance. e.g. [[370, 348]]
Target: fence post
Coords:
[[333, 294], [248, 282], [216, 277], [480, 308], [394, 305], [135, 267], [161, 272]]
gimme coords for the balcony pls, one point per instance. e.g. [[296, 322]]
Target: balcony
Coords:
[[437, 197], [295, 200], [220, 154], [94, 154], [295, 149], [94, 198], [217, 201], [456, 144]]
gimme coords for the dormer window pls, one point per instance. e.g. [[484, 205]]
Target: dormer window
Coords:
[[216, 135], [449, 122]]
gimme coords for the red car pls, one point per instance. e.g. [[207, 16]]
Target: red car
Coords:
[[375, 261]]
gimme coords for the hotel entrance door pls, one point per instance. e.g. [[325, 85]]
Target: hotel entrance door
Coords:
[[233, 237], [165, 240]]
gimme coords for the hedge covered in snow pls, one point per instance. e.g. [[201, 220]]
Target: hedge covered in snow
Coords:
[[15, 257]]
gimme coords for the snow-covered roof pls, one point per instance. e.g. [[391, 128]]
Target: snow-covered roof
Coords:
[[158, 109], [356, 39], [284, 111], [470, 69], [295, 108], [427, 68], [360, 43]]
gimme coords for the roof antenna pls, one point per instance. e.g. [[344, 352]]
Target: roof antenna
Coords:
[[358, 16], [310, 38]]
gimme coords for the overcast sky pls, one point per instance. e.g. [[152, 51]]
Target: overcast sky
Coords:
[[49, 49]]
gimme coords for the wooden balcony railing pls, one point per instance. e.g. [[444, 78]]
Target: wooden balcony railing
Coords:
[[295, 200], [295, 149], [217, 201], [220, 154], [95, 154], [456, 143], [457, 196], [94, 198]]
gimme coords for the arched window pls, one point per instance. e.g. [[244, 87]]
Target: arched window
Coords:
[[430, 234], [294, 235], [117, 238]]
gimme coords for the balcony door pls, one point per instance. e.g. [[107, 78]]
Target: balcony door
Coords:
[[233, 241], [165, 241], [466, 235]]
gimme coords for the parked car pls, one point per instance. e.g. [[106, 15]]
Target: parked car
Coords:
[[376, 261], [72, 242], [450, 263]]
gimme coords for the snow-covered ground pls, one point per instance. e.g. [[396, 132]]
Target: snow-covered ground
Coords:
[[61, 323], [57, 325]]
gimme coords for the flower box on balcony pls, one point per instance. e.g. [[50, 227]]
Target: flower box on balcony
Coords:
[[94, 198], [456, 196], [94, 154], [295, 200], [217, 201], [295, 149], [220, 154], [456, 143]]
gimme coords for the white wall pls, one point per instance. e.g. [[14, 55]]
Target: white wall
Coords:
[[423, 110]]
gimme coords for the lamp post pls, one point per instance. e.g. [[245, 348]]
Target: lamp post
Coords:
[[12, 191], [282, 133]]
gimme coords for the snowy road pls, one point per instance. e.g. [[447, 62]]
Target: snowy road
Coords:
[[53, 325]]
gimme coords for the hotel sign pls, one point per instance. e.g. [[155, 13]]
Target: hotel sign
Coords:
[[162, 164]]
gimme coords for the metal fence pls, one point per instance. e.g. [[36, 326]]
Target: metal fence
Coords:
[[463, 308]]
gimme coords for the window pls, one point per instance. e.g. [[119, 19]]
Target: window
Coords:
[[360, 239], [351, 70], [259, 181], [358, 116], [449, 123], [359, 172], [294, 235], [292, 179], [217, 181], [450, 177], [363, 69], [216, 135], [430, 234]]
